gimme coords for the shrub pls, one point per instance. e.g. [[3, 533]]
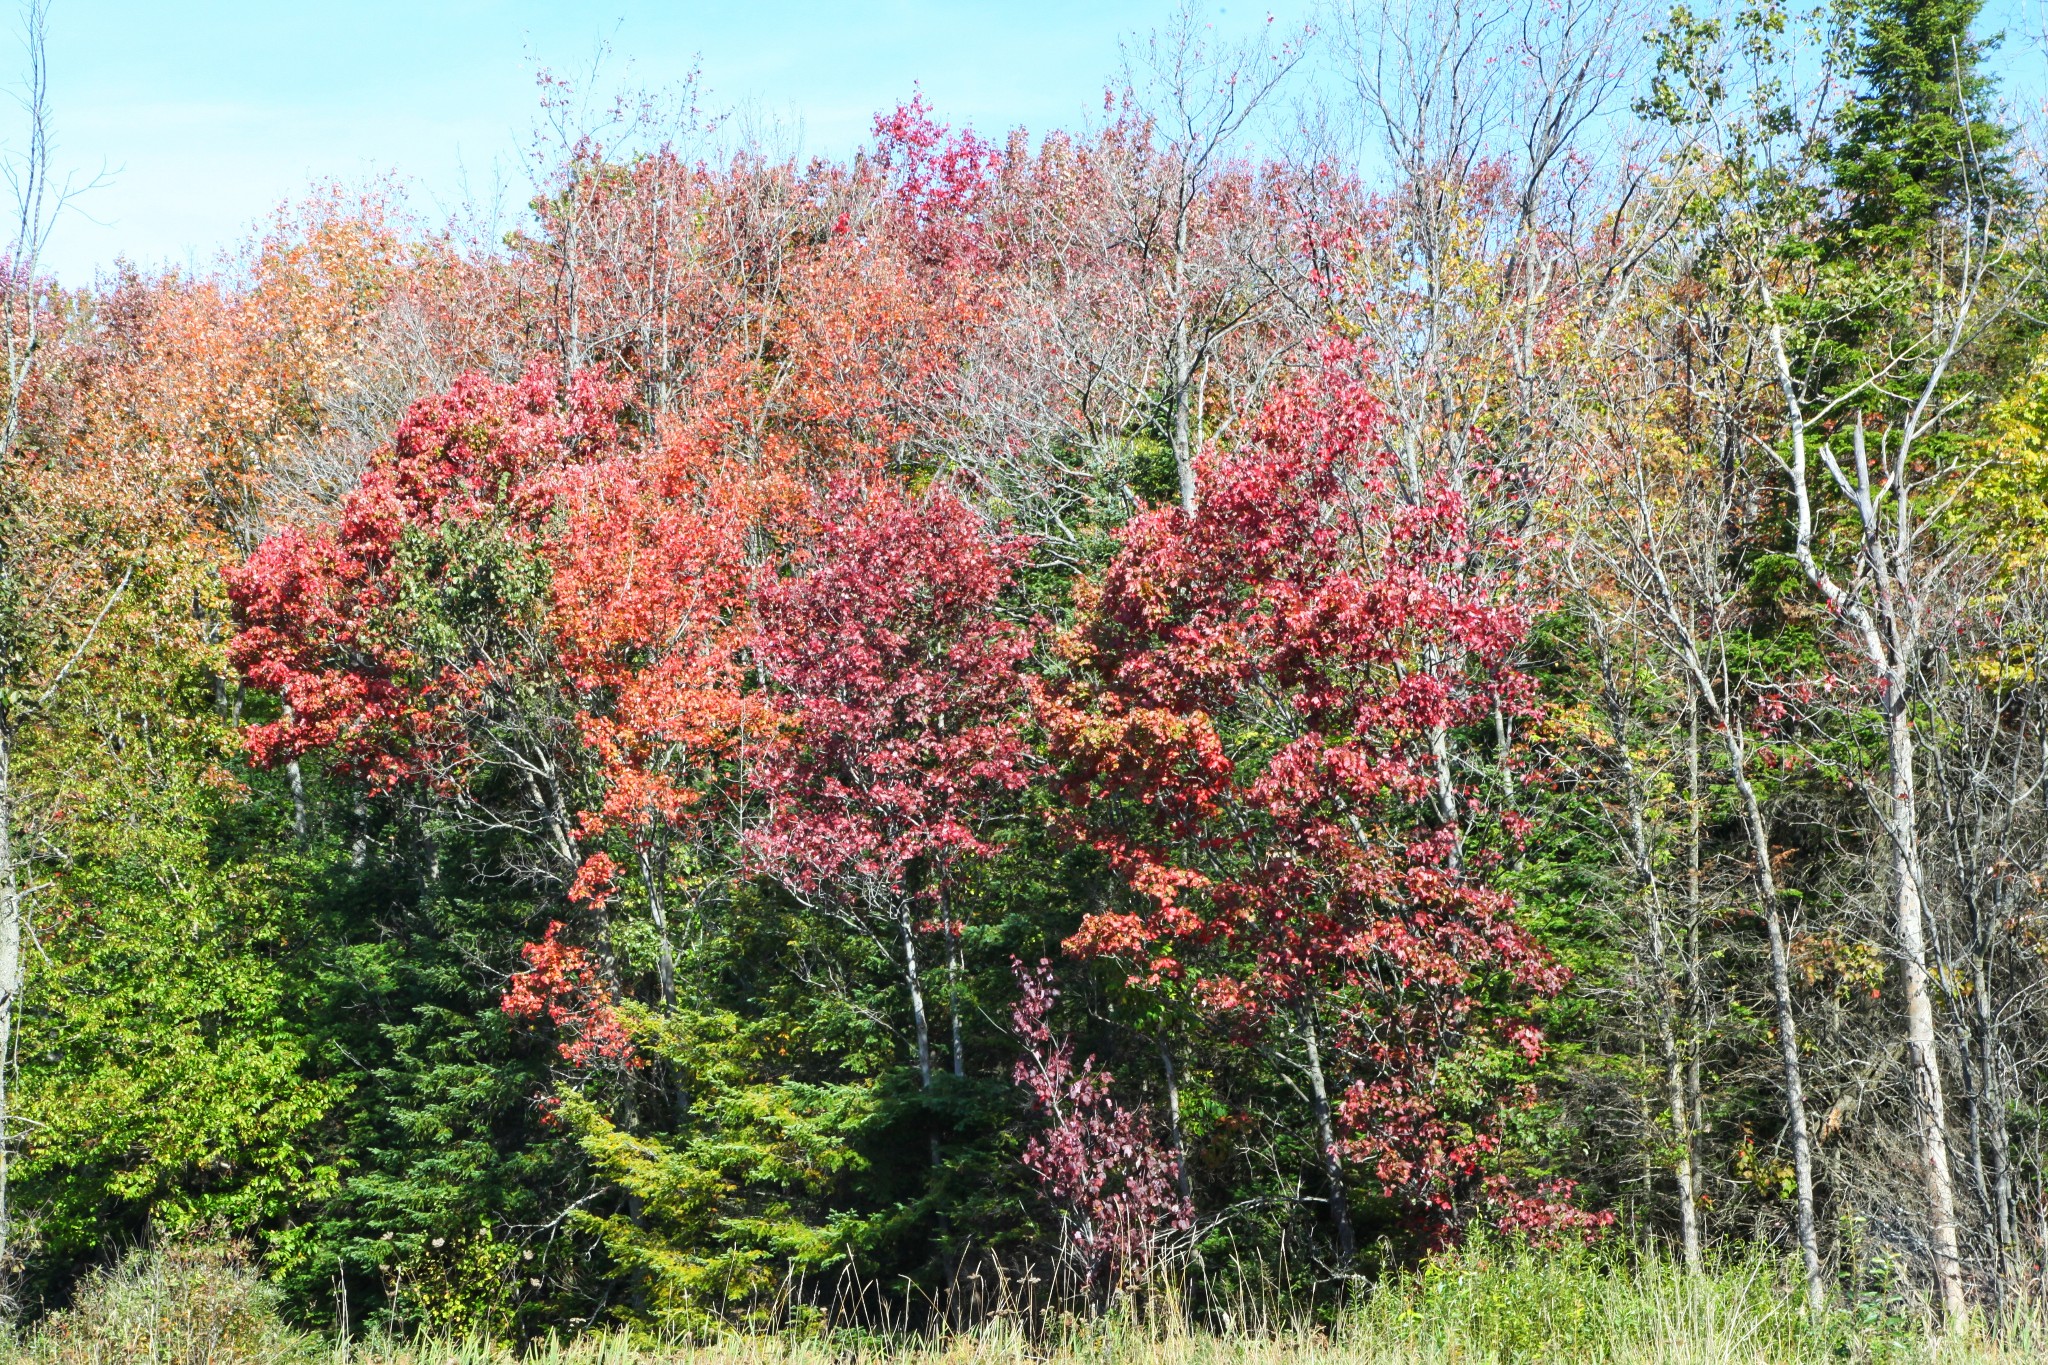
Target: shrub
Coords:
[[172, 1303]]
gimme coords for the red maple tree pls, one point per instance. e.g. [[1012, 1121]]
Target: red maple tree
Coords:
[[899, 679], [562, 983], [1248, 731], [352, 624]]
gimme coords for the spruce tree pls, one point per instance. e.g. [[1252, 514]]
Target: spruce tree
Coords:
[[1914, 143]]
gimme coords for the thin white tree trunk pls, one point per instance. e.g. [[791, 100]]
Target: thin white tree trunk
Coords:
[[1326, 1139], [1180, 1150], [953, 997], [1796, 1131], [1922, 1056], [1179, 371], [1674, 1091], [1701, 1024], [1660, 988], [915, 983], [919, 1019], [295, 778]]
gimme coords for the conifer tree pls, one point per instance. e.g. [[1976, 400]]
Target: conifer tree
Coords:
[[1916, 141]]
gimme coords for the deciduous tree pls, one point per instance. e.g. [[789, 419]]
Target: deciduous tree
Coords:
[[1245, 734], [899, 680]]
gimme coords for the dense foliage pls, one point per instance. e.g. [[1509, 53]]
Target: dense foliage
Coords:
[[1099, 702]]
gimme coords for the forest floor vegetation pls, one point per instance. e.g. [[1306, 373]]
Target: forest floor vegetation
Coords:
[[206, 1305]]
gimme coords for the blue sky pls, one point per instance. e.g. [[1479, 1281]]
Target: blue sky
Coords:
[[205, 114]]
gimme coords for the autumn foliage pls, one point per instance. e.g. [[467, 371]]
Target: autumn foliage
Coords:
[[1249, 733], [532, 760], [562, 985], [1117, 1186], [337, 620], [599, 636], [899, 678], [690, 650]]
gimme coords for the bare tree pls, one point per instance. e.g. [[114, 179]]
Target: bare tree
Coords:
[[1151, 279], [1986, 765], [1200, 97], [1896, 582], [1668, 553], [1523, 206]]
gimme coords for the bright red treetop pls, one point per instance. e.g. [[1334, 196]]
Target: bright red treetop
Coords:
[[940, 186], [329, 617]]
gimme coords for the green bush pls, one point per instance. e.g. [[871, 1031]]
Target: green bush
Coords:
[[198, 1303]]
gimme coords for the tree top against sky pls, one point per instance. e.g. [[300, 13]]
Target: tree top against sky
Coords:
[[200, 120], [207, 116]]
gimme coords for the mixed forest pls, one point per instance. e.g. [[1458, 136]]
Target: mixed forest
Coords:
[[1428, 632]]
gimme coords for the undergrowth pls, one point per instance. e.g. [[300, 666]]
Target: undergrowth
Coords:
[[1490, 1305]]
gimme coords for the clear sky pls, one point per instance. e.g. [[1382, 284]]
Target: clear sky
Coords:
[[205, 114]]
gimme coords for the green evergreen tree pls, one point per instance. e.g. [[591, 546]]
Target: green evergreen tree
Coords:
[[1916, 142]]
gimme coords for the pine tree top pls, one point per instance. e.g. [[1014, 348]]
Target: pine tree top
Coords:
[[1915, 143]]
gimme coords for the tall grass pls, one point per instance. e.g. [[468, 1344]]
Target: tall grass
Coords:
[[1487, 1305], [172, 1304]]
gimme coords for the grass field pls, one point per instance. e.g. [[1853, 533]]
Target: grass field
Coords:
[[200, 1307]]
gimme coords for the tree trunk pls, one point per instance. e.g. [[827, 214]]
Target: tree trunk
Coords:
[[1183, 439], [296, 780], [918, 1018], [1681, 1127], [1445, 783], [1695, 986], [1660, 987], [657, 906], [912, 980], [1796, 1131], [1922, 1059], [953, 997], [1180, 372], [1795, 1105], [1180, 1150], [572, 351], [295, 777], [1326, 1141], [1696, 995], [359, 840]]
